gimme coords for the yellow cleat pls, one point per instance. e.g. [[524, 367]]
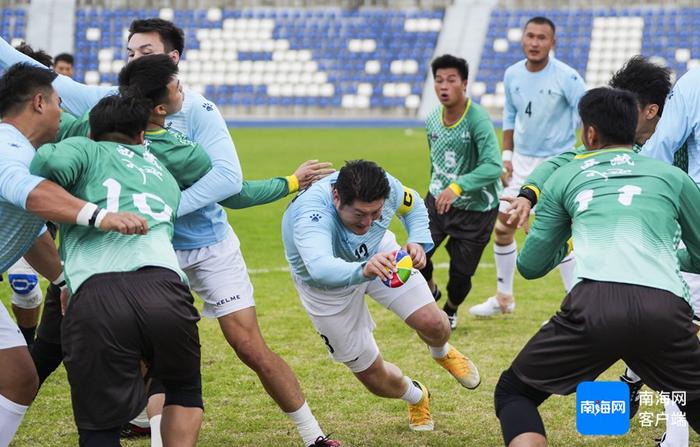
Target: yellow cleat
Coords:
[[419, 418], [461, 368]]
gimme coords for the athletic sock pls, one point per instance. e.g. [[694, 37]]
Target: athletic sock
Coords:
[[505, 256], [306, 423], [413, 394], [156, 438], [29, 333], [439, 352], [11, 415], [676, 430], [567, 270]]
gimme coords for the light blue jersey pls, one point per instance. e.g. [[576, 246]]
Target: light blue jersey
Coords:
[[323, 253], [542, 107], [679, 124], [201, 221], [18, 228]]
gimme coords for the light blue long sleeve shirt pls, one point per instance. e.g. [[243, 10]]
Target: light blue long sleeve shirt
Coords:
[[542, 107], [201, 221], [323, 253], [679, 124], [18, 227]]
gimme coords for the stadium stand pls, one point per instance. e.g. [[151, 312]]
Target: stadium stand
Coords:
[[14, 24], [353, 59]]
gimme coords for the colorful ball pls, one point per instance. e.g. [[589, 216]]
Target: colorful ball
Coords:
[[404, 267]]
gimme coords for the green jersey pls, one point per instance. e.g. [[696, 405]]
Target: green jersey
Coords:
[[67, 127], [116, 177], [465, 157], [626, 213], [187, 161]]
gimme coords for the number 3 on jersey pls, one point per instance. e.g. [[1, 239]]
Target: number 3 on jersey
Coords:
[[114, 189]]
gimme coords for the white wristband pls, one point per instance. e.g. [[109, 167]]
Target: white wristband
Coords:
[[60, 280], [100, 217], [85, 214], [507, 155]]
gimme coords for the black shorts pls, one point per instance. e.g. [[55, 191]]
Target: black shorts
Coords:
[[469, 232], [600, 323], [113, 322]]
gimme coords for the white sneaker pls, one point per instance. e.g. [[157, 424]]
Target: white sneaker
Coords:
[[453, 321], [489, 308]]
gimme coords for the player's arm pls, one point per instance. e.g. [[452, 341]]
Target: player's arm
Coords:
[[546, 244], [260, 192], [313, 238], [689, 216], [77, 98], [414, 216], [488, 166], [672, 131], [225, 178], [574, 89], [65, 163]]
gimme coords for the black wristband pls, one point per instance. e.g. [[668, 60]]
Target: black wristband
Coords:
[[529, 194], [93, 218]]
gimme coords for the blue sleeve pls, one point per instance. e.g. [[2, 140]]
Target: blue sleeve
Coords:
[[76, 98], [225, 179], [672, 131], [414, 216], [509, 111], [16, 182], [313, 239]]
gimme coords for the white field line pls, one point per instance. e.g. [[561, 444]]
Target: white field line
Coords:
[[439, 265]]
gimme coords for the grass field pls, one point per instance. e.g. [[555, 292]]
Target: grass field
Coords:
[[239, 413]]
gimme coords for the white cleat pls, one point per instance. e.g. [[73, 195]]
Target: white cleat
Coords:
[[490, 308]]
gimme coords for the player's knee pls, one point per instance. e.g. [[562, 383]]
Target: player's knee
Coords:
[[23, 388], [253, 352], [516, 407], [26, 293], [185, 393], [503, 233]]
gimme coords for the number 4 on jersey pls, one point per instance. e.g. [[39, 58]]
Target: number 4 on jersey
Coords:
[[528, 109]]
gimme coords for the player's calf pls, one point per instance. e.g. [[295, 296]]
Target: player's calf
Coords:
[[516, 407]]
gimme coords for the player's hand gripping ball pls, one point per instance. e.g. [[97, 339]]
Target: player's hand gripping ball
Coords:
[[404, 267]]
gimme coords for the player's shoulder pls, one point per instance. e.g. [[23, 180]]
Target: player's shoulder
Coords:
[[515, 69], [565, 71], [434, 117], [197, 103], [318, 195], [477, 113]]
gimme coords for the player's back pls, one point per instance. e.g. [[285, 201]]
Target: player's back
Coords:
[[624, 209], [117, 177], [541, 107]]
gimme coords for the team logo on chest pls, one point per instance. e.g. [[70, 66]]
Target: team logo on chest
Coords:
[[434, 137]]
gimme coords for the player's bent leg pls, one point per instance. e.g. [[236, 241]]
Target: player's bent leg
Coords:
[[516, 408], [26, 297], [242, 332], [99, 438], [18, 386], [46, 351], [692, 414], [182, 412]]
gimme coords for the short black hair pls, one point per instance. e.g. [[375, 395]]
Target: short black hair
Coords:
[[40, 56], [651, 83], [613, 113], [173, 37], [540, 20], [20, 83], [118, 114], [148, 77], [449, 61], [361, 180], [64, 57]]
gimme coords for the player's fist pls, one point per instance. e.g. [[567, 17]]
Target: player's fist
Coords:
[[519, 211], [312, 170], [381, 265], [443, 203], [417, 254], [507, 172], [125, 223]]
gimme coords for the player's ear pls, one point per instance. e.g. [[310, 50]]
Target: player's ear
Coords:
[[650, 111], [175, 56], [160, 110], [140, 138], [39, 102]]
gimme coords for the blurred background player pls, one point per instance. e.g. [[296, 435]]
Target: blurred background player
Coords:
[[631, 302], [339, 248], [539, 121], [63, 64], [465, 172]]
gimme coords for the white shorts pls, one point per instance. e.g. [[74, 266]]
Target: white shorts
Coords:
[[523, 166], [10, 335], [342, 318], [219, 276]]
